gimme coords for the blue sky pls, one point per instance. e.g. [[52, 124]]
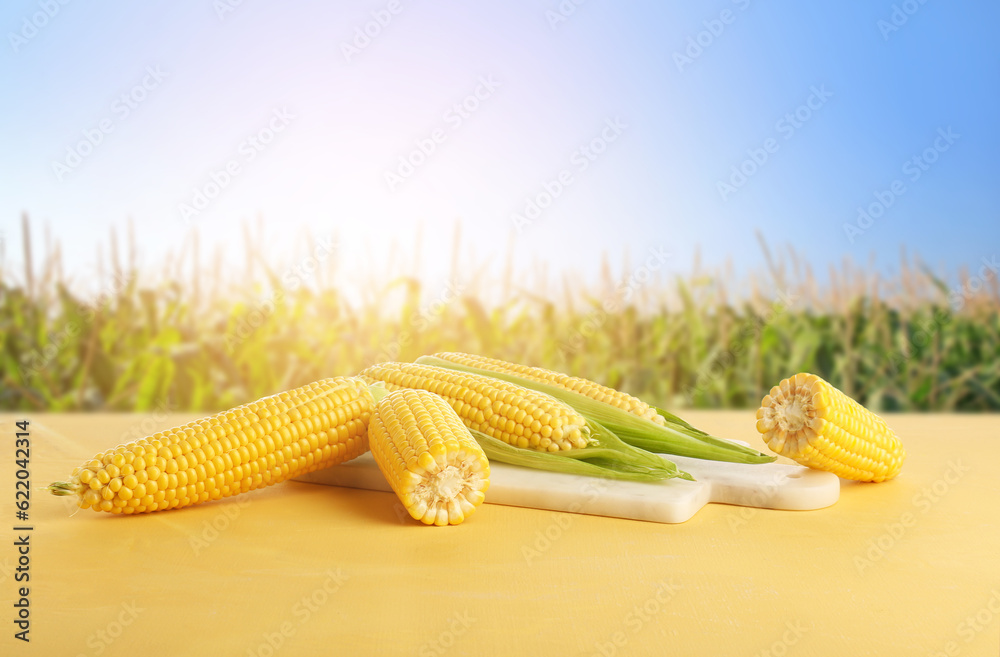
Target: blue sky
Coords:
[[664, 98]]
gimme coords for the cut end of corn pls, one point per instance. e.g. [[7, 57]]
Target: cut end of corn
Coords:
[[434, 465], [581, 386], [809, 421], [505, 411], [249, 447]]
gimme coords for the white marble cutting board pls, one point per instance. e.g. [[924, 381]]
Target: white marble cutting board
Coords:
[[767, 486]]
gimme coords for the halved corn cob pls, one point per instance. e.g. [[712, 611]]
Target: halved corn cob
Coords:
[[516, 425], [435, 466], [808, 420], [249, 447], [671, 435]]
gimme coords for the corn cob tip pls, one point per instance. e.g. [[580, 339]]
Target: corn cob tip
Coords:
[[63, 488]]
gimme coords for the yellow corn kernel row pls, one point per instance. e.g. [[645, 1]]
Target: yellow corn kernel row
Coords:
[[582, 386], [808, 420], [249, 447], [430, 459], [517, 416]]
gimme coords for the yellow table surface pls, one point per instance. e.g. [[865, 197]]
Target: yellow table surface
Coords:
[[909, 567]]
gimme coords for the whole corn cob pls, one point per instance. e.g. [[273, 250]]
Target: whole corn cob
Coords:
[[435, 466], [249, 447], [614, 410], [501, 410], [808, 420], [516, 425], [585, 387]]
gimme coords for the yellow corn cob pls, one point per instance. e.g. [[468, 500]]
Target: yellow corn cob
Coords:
[[435, 466], [808, 420], [517, 416], [249, 447], [585, 387]]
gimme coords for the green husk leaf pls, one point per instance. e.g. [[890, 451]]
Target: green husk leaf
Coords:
[[605, 446], [605, 455], [378, 390], [678, 423], [677, 437], [591, 461]]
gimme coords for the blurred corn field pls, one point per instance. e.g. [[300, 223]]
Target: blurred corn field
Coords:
[[194, 338]]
